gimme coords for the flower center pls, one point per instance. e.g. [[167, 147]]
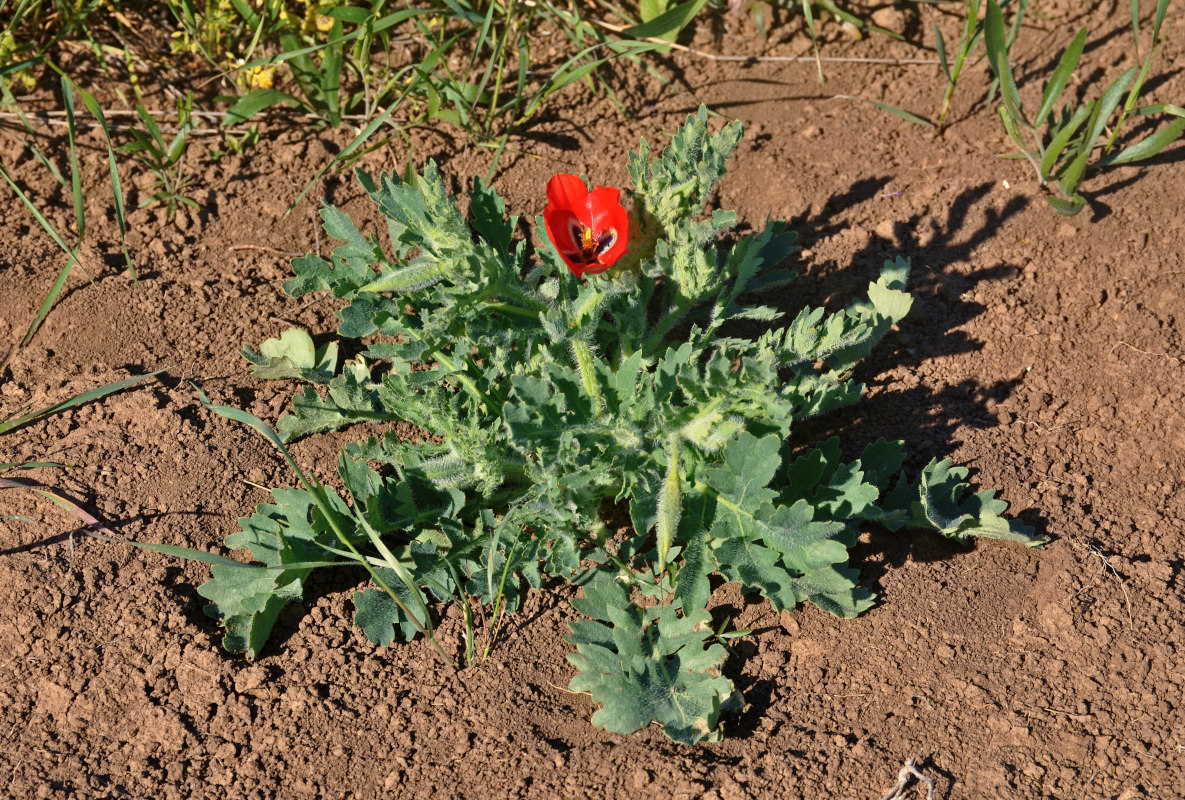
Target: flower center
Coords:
[[592, 245]]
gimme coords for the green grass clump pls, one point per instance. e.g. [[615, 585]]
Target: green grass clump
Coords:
[[1066, 144]]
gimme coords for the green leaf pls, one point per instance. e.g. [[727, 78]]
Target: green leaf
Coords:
[[489, 217], [887, 304], [1067, 207], [548, 418], [692, 588], [1148, 146], [347, 401], [647, 666], [881, 460], [996, 45], [940, 500], [293, 355], [749, 465], [668, 24], [675, 186], [780, 549], [248, 599], [380, 617], [430, 217], [1061, 75]]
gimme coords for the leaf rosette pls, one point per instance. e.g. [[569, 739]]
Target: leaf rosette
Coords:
[[664, 381]]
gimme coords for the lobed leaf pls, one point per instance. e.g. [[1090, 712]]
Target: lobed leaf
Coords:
[[648, 665], [941, 500], [284, 538]]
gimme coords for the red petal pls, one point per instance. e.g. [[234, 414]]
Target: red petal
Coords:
[[603, 203], [559, 229], [619, 248], [569, 192], [560, 234], [609, 215]]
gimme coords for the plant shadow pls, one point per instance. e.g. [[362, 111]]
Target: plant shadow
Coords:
[[941, 281], [929, 416]]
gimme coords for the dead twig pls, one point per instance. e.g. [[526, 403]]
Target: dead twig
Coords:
[[1108, 566], [609, 26], [908, 771], [286, 253], [1050, 710], [1145, 352]]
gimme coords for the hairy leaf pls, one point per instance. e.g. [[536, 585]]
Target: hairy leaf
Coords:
[[248, 599], [647, 665]]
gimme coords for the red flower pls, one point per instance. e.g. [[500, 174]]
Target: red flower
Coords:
[[590, 230]]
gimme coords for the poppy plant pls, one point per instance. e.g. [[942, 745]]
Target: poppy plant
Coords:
[[590, 230]]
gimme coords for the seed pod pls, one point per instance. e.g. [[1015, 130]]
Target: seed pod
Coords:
[[588, 374], [446, 471], [420, 274], [670, 502]]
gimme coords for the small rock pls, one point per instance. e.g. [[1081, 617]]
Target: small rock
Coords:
[[888, 18], [250, 678], [811, 132], [53, 699], [1066, 230]]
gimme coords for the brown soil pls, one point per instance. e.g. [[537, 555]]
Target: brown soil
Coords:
[[1045, 352]]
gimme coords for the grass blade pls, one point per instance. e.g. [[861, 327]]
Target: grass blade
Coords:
[[1148, 146], [1162, 7], [1062, 138], [1061, 75], [50, 297], [253, 102], [75, 172], [621, 48], [348, 150], [668, 23], [201, 555], [1134, 7], [1069, 179], [331, 77], [1160, 108], [1107, 104], [997, 53], [941, 46], [72, 255], [894, 110], [96, 111], [76, 400], [33, 465]]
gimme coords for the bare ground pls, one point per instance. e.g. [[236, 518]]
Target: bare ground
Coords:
[[1047, 353]]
